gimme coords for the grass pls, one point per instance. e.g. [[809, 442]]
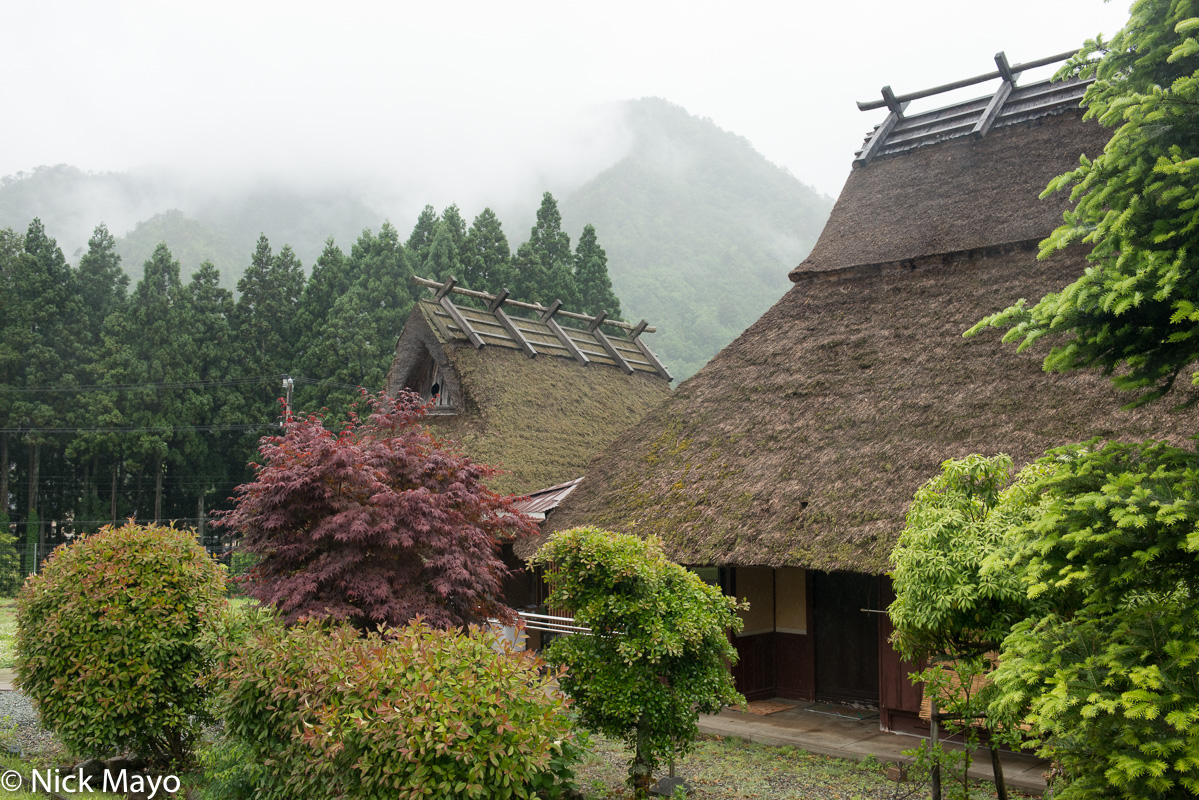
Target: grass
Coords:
[[25, 767], [727, 768], [8, 632]]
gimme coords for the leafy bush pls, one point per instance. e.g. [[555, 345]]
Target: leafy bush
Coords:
[[954, 598], [110, 641], [1108, 670], [1101, 656], [229, 770], [660, 651], [415, 712], [376, 524], [957, 598]]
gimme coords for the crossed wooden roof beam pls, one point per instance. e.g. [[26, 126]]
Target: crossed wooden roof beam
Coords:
[[982, 124], [495, 305]]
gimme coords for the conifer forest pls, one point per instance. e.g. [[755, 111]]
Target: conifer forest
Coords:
[[148, 400]]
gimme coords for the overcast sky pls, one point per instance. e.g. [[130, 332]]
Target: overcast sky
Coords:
[[468, 99]]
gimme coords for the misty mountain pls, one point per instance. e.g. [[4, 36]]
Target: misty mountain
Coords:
[[700, 229], [143, 208], [71, 202], [191, 242]]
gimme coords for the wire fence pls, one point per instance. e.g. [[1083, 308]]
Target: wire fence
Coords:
[[17, 565], [29, 559]]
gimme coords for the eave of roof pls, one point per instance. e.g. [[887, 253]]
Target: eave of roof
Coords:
[[546, 500]]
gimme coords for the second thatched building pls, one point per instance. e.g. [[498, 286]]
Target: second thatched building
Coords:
[[784, 468]]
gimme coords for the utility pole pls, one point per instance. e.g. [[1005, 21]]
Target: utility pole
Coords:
[[288, 383]]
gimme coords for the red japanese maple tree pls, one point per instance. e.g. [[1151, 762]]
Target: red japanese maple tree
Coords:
[[375, 524]]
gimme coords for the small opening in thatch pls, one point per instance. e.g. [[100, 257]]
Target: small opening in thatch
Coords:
[[429, 383]]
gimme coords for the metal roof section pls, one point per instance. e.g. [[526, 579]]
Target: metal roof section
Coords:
[[540, 503], [542, 335], [1008, 105]]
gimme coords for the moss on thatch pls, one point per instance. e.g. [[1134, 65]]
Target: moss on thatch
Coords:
[[955, 196], [802, 442], [540, 420]]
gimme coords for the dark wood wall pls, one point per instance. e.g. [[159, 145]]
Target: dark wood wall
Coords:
[[899, 698], [776, 664], [754, 671], [793, 664]]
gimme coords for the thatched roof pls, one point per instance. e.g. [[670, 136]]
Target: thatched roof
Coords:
[[803, 441], [540, 419], [954, 196]]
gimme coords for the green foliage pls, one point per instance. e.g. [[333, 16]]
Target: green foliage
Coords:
[[957, 597], [486, 257], [109, 641], [40, 332], [270, 291], [550, 248], [102, 282], [1102, 659], [421, 239], [230, 771], [10, 559], [659, 653], [329, 280], [407, 713], [954, 599], [455, 225], [1108, 671], [152, 342], [355, 343], [443, 261], [1133, 314], [591, 276]]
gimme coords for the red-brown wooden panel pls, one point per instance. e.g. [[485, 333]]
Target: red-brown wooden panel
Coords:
[[898, 696], [753, 674]]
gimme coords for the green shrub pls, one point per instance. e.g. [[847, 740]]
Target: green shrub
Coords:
[[661, 650], [229, 770], [110, 641], [417, 712], [240, 563]]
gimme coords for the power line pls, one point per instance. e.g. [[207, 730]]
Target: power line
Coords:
[[165, 430], [108, 521], [113, 387]]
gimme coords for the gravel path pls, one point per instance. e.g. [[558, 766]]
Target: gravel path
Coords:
[[19, 727]]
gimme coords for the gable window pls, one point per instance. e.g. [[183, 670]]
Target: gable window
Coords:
[[430, 383], [439, 391]]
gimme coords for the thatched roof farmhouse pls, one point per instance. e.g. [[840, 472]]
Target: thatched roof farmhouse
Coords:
[[536, 395], [789, 460]]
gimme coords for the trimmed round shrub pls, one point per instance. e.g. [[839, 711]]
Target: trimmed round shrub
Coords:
[[111, 641], [413, 712]]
